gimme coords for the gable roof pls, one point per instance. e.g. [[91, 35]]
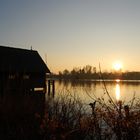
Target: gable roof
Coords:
[[21, 60]]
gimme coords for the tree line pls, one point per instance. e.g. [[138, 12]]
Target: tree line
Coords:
[[91, 72]]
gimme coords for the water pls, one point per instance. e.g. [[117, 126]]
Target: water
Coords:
[[88, 91]]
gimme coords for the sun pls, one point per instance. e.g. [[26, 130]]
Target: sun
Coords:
[[117, 66]]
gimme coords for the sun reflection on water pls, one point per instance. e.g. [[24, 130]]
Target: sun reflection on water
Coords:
[[117, 80], [117, 92]]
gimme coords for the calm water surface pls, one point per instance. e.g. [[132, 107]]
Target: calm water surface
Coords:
[[86, 91]]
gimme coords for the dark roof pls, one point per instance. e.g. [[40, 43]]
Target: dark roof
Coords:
[[21, 60]]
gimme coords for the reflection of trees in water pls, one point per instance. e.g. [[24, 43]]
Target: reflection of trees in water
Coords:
[[82, 87], [131, 82], [78, 87], [91, 83], [77, 83]]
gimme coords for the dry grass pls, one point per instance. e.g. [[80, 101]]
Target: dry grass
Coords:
[[67, 118]]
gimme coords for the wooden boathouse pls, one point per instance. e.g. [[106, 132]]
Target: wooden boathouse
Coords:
[[21, 70], [22, 81]]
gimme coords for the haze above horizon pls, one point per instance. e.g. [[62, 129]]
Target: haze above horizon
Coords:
[[73, 33]]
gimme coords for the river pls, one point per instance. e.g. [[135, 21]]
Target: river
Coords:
[[89, 90]]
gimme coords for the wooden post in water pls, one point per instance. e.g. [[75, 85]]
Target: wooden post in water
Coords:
[[51, 87]]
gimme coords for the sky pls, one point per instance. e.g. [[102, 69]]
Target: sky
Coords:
[[74, 33]]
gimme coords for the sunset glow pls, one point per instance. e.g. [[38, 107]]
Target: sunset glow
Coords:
[[75, 33], [117, 66]]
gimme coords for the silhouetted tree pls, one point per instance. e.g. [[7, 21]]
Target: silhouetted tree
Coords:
[[90, 72], [66, 72]]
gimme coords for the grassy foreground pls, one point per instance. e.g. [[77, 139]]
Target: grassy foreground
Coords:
[[67, 118]]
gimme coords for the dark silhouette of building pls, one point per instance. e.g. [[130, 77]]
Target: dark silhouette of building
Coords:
[[22, 82], [21, 71]]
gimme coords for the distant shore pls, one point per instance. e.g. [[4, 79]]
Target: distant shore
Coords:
[[90, 73]]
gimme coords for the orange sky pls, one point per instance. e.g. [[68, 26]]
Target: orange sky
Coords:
[[76, 32]]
